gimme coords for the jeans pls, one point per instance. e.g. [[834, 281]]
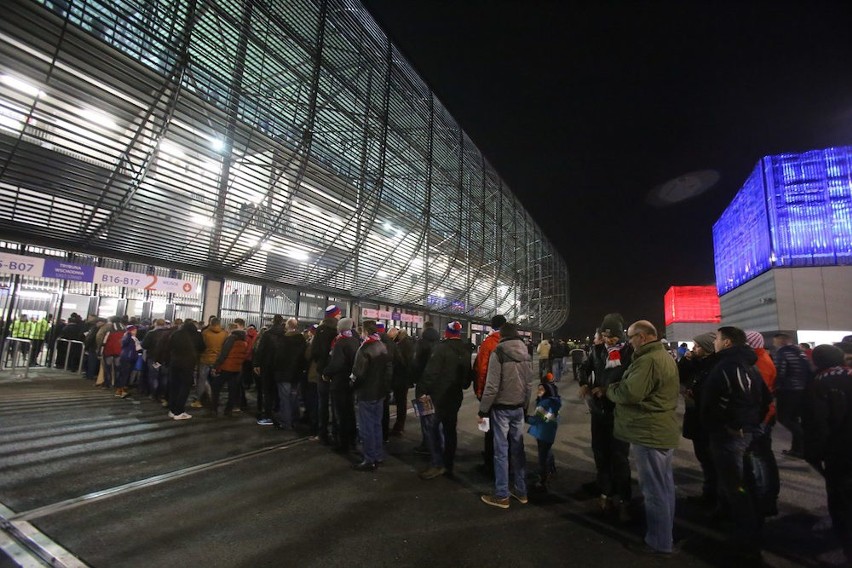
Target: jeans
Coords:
[[110, 370], [442, 437], [557, 369], [656, 480], [288, 399], [728, 452], [202, 386], [370, 426], [508, 426], [230, 378]]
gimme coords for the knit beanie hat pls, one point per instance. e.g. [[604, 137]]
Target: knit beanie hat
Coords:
[[754, 339], [705, 341], [332, 311], [550, 388], [453, 329], [613, 324], [825, 356], [345, 324]]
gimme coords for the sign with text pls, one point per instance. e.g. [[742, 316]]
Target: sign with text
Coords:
[[112, 277], [23, 265], [368, 313], [54, 268]]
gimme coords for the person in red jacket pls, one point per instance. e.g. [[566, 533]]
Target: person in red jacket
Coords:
[[481, 371], [227, 369]]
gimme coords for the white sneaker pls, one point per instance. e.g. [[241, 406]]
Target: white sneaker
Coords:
[[183, 416], [171, 414]]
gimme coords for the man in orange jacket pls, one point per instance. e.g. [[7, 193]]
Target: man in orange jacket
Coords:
[[481, 367]]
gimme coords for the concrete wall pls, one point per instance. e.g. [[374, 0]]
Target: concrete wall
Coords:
[[818, 298]]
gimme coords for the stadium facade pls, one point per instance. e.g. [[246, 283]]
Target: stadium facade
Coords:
[[250, 157]]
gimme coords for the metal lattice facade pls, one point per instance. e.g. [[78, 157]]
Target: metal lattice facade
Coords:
[[287, 141]]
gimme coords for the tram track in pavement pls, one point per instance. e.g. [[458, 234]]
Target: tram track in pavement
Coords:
[[39, 422], [29, 547]]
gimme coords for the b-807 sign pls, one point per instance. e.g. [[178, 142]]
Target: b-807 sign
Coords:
[[23, 265]]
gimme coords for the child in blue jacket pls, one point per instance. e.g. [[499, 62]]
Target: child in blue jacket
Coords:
[[543, 424]]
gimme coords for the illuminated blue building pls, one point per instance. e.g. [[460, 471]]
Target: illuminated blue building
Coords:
[[783, 247]]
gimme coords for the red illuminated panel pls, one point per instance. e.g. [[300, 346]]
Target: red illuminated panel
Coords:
[[691, 304]]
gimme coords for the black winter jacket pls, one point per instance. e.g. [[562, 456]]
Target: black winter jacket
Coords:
[[372, 371], [342, 360], [447, 374], [827, 421], [734, 396]]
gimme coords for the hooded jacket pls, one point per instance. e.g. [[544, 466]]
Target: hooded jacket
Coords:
[[184, 347], [233, 353], [214, 337], [827, 420], [509, 380], [734, 397]]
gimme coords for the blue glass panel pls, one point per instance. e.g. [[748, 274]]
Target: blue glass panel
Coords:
[[741, 236], [805, 220]]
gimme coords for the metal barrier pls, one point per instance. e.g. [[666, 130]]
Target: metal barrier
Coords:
[[70, 342], [17, 343]]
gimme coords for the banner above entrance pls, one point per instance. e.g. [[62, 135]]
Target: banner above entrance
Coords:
[[59, 269]]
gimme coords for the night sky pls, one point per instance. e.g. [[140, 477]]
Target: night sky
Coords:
[[584, 108]]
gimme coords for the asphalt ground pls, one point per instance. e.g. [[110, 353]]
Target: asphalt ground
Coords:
[[95, 480]]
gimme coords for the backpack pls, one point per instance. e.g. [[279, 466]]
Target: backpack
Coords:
[[112, 343]]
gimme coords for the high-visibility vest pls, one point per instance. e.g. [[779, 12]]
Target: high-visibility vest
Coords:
[[39, 329], [21, 329]]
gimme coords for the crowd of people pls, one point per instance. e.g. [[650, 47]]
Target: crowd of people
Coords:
[[338, 382]]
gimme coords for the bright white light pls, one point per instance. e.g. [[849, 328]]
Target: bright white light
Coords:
[[256, 198], [387, 226], [382, 274], [266, 246], [172, 149], [819, 337], [297, 254], [11, 123], [21, 86], [199, 219], [33, 295], [98, 118], [399, 233], [217, 144], [417, 262], [439, 294], [251, 242], [212, 166]]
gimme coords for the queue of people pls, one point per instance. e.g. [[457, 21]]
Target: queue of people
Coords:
[[338, 382]]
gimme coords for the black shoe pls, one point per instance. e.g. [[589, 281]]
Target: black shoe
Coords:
[[644, 549], [366, 466]]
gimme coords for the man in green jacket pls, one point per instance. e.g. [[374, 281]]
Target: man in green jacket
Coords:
[[645, 404]]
